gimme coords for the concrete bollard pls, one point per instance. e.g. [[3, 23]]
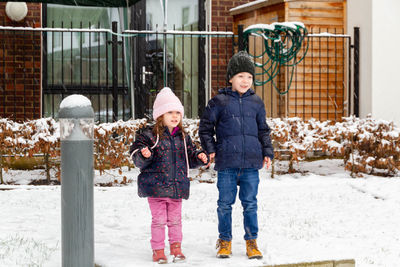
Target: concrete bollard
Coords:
[[77, 216]]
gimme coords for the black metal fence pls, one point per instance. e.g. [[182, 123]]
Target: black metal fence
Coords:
[[188, 65], [89, 62], [64, 62], [121, 74]]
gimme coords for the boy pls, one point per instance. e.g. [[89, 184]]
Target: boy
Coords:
[[242, 146]]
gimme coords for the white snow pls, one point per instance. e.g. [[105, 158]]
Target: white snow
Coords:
[[260, 26], [177, 32], [248, 5], [318, 214], [75, 101], [272, 26], [327, 34], [289, 24]]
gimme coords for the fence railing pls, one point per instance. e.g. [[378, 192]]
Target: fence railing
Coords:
[[91, 62], [187, 69], [122, 73]]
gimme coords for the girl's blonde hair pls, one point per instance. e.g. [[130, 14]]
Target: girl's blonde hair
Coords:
[[159, 127]]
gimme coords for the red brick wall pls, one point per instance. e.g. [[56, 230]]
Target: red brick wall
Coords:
[[20, 67], [221, 49]]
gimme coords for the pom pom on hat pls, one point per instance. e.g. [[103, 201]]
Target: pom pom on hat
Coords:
[[239, 62], [166, 101]]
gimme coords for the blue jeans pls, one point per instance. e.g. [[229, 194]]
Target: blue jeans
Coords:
[[228, 181]]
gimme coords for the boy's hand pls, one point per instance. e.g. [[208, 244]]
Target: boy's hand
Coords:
[[212, 156], [145, 152], [203, 157], [267, 160]]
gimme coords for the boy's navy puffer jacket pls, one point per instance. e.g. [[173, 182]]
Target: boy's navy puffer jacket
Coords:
[[242, 133], [164, 173]]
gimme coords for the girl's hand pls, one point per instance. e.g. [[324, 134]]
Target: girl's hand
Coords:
[[203, 157], [212, 156], [267, 161], [145, 152]]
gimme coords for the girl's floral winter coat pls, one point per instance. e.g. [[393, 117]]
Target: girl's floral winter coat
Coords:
[[164, 173]]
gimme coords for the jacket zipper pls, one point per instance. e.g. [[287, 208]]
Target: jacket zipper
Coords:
[[242, 128], [174, 165]]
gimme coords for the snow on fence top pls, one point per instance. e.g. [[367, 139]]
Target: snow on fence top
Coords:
[[327, 34], [272, 26], [247, 5]]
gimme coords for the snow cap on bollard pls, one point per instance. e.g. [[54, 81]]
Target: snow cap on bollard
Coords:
[[76, 118], [75, 107]]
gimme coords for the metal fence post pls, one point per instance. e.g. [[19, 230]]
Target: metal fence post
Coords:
[[356, 71], [202, 96], [241, 41], [77, 217], [115, 70]]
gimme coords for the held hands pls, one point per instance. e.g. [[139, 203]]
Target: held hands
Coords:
[[203, 157], [145, 152], [212, 156], [267, 161]]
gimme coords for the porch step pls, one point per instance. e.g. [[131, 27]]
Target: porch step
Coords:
[[329, 263]]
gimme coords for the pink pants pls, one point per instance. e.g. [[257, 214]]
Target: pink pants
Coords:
[[165, 211]]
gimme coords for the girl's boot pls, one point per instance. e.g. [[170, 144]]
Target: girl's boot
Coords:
[[159, 256], [176, 251]]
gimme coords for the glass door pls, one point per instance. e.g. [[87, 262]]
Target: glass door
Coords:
[[182, 54]]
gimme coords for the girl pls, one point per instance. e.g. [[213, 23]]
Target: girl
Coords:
[[164, 153]]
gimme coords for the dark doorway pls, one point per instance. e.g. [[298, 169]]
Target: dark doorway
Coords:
[[185, 55]]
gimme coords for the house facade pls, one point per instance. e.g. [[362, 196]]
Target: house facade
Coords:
[[39, 68], [60, 62], [379, 79]]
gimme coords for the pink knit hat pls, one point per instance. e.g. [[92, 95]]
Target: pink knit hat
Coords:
[[166, 101]]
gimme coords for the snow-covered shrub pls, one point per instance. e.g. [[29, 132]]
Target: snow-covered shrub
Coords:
[[371, 146], [112, 142], [28, 139], [366, 145], [295, 139], [6, 143]]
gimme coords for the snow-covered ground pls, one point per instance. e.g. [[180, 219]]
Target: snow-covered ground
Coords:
[[322, 214]]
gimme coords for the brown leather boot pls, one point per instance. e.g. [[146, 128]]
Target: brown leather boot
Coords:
[[252, 250], [224, 248], [159, 256], [176, 251]]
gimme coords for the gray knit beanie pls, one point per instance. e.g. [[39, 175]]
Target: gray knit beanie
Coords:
[[239, 62]]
